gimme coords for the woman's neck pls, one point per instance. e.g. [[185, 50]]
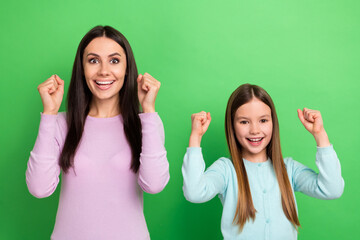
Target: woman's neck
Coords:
[[104, 108]]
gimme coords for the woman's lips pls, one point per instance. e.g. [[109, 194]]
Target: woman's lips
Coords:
[[104, 85]]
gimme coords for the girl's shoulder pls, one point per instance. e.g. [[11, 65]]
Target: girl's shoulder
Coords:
[[225, 165], [293, 167]]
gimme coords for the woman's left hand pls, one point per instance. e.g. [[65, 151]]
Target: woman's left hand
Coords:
[[313, 122], [148, 88]]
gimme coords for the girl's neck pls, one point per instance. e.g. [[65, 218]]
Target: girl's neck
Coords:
[[256, 158], [104, 108]]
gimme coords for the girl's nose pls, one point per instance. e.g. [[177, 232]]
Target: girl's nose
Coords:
[[254, 129]]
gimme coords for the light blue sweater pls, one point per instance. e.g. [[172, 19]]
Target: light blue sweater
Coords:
[[270, 222]]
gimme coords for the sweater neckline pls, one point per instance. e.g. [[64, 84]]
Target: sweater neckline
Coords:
[[257, 164], [109, 119]]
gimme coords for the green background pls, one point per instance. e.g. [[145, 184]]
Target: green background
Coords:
[[304, 53]]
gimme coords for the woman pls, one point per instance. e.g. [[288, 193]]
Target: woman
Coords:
[[107, 150]]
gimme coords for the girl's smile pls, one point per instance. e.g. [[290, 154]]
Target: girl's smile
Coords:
[[255, 141], [253, 129]]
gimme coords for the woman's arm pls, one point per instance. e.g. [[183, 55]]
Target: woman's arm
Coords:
[[42, 174], [43, 170], [154, 167]]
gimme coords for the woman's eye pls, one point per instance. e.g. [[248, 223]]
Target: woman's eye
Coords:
[[114, 61], [263, 120], [93, 60], [243, 122]]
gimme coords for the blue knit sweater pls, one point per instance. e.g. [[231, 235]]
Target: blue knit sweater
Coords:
[[270, 222]]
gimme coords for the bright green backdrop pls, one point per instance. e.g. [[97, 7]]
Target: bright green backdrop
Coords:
[[304, 53]]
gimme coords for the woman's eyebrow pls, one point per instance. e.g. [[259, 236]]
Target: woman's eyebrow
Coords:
[[93, 54], [111, 55]]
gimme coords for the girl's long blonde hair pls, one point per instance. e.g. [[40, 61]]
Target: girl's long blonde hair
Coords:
[[245, 209]]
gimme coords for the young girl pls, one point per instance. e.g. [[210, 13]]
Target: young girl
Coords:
[[108, 152], [256, 187]]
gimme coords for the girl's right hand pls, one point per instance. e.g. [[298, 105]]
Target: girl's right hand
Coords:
[[200, 123], [51, 93]]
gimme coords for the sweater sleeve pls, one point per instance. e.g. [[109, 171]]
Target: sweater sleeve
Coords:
[[154, 166], [328, 183], [200, 186], [43, 170]]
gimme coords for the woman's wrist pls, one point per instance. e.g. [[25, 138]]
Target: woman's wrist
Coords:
[[50, 112], [148, 109]]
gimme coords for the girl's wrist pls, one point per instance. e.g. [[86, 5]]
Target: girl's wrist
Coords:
[[322, 139], [194, 140]]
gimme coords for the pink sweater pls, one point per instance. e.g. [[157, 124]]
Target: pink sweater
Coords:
[[101, 197]]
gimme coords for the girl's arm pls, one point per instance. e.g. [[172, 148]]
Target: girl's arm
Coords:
[[154, 167], [328, 183], [200, 186], [42, 174]]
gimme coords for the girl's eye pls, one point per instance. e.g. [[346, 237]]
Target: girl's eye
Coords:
[[244, 122], [263, 120], [114, 61], [93, 60]]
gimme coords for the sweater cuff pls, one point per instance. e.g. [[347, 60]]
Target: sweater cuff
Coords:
[[325, 150], [194, 151], [46, 134]]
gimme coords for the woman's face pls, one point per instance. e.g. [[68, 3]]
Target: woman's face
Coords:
[[253, 129], [104, 62]]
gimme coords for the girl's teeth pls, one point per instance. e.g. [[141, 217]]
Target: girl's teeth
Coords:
[[104, 83], [255, 139]]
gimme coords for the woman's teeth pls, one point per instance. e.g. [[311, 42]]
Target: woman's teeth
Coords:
[[104, 83]]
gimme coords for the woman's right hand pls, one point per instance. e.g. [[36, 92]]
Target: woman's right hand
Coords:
[[51, 93], [199, 125]]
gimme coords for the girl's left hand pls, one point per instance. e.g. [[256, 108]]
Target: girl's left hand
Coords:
[[312, 121], [148, 88]]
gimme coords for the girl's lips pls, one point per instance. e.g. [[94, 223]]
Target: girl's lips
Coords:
[[255, 141]]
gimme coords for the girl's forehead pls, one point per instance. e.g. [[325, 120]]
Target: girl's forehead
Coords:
[[253, 108]]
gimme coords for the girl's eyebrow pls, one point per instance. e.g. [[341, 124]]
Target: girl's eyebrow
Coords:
[[242, 117], [111, 55], [239, 117]]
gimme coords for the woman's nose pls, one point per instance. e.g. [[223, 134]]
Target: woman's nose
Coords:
[[104, 69]]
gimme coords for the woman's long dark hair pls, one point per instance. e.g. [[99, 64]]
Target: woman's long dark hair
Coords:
[[79, 98], [245, 209]]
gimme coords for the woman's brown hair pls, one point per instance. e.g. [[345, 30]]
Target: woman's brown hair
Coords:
[[245, 209], [79, 98]]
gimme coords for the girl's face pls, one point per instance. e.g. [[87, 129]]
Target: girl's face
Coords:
[[104, 62], [253, 129]]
